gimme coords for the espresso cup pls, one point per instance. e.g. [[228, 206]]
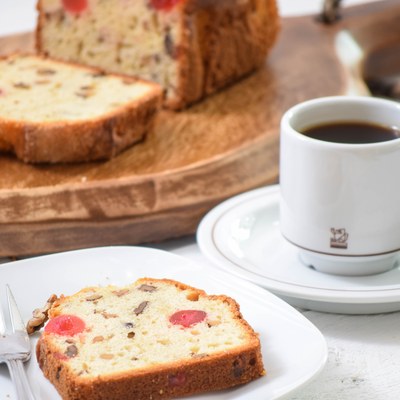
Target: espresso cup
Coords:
[[340, 196]]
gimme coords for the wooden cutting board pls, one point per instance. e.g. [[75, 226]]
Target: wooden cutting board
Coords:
[[192, 160]]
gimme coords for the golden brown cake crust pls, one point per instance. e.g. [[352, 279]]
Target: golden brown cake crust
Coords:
[[92, 139], [225, 41], [211, 374], [186, 377]]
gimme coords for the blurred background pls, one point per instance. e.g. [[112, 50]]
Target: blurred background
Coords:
[[20, 15]]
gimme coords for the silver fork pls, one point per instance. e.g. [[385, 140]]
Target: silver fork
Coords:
[[15, 348]]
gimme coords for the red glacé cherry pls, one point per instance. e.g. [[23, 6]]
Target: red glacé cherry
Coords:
[[75, 6], [164, 5], [65, 325], [187, 318]]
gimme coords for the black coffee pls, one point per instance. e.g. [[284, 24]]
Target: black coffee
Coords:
[[352, 132]]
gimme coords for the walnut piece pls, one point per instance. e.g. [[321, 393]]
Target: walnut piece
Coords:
[[140, 308], [40, 316], [94, 297], [72, 351], [147, 288]]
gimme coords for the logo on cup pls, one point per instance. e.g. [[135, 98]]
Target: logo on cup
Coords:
[[339, 238]]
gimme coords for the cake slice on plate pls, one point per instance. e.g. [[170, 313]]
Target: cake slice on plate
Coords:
[[153, 339]]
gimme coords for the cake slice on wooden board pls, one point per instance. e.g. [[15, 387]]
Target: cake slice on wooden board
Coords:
[[190, 47], [153, 339], [53, 111]]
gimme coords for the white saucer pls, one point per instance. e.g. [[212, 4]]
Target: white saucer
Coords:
[[242, 236]]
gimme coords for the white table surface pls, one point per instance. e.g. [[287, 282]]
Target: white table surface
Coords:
[[364, 351]]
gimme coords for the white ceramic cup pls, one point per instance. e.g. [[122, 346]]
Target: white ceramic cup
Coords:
[[340, 202]]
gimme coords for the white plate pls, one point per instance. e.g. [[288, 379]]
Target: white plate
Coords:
[[294, 351], [242, 236]]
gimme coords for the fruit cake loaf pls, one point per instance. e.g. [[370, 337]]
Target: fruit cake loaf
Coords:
[[53, 111], [154, 339], [190, 47]]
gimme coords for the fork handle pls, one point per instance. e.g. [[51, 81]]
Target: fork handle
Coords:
[[18, 376]]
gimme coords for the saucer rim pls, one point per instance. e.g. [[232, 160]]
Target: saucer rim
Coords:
[[205, 238]]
